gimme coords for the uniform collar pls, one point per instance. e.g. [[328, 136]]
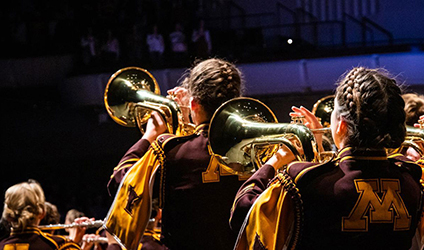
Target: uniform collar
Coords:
[[27, 230], [362, 154]]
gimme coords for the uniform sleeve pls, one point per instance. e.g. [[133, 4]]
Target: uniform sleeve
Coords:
[[113, 247], [247, 195], [133, 154]]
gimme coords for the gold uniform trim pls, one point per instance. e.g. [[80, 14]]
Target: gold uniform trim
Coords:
[[303, 172], [37, 231], [120, 166], [368, 158]]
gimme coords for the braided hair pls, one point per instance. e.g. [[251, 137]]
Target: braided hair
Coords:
[[213, 82], [371, 103]]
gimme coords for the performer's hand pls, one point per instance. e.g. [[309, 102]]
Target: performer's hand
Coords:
[[88, 241], [310, 121], [281, 158], [412, 154], [76, 234], [420, 123], [155, 127], [182, 97]]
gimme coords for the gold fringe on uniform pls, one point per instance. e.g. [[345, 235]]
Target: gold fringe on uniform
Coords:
[[275, 219]]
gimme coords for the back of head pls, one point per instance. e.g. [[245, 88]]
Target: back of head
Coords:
[[23, 203], [370, 102], [414, 107], [73, 214], [213, 82], [52, 215]]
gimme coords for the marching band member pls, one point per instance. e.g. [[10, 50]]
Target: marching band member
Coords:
[[195, 193], [414, 107], [24, 207], [51, 216], [361, 199]]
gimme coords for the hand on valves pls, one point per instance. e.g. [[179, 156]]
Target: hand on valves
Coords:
[[310, 121]]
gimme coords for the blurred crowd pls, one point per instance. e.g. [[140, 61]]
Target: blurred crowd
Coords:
[[105, 35]]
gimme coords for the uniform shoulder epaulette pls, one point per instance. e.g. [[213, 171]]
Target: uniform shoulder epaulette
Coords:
[[406, 164], [304, 172], [169, 141]]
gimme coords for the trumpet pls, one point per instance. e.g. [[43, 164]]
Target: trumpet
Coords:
[[131, 95], [88, 224]]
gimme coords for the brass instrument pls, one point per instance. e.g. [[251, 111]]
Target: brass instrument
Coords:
[[414, 138], [131, 95], [323, 109], [244, 133], [88, 224]]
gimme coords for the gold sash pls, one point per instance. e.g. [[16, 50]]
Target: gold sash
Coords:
[[130, 212], [274, 220]]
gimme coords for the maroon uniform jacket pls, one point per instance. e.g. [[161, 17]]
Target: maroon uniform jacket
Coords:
[[196, 192], [362, 199], [33, 238]]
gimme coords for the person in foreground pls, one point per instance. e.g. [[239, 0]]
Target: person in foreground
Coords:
[[361, 199], [24, 207], [195, 193]]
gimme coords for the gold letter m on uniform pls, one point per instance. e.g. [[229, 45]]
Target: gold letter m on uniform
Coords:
[[370, 208]]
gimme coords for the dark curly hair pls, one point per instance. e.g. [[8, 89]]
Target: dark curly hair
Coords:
[[213, 82], [414, 107], [370, 102]]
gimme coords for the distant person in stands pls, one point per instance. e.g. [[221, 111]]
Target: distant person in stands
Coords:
[[179, 46], [201, 39], [88, 45], [156, 47], [111, 50], [24, 208]]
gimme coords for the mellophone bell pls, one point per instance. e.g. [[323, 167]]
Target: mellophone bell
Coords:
[[244, 133], [131, 95]]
